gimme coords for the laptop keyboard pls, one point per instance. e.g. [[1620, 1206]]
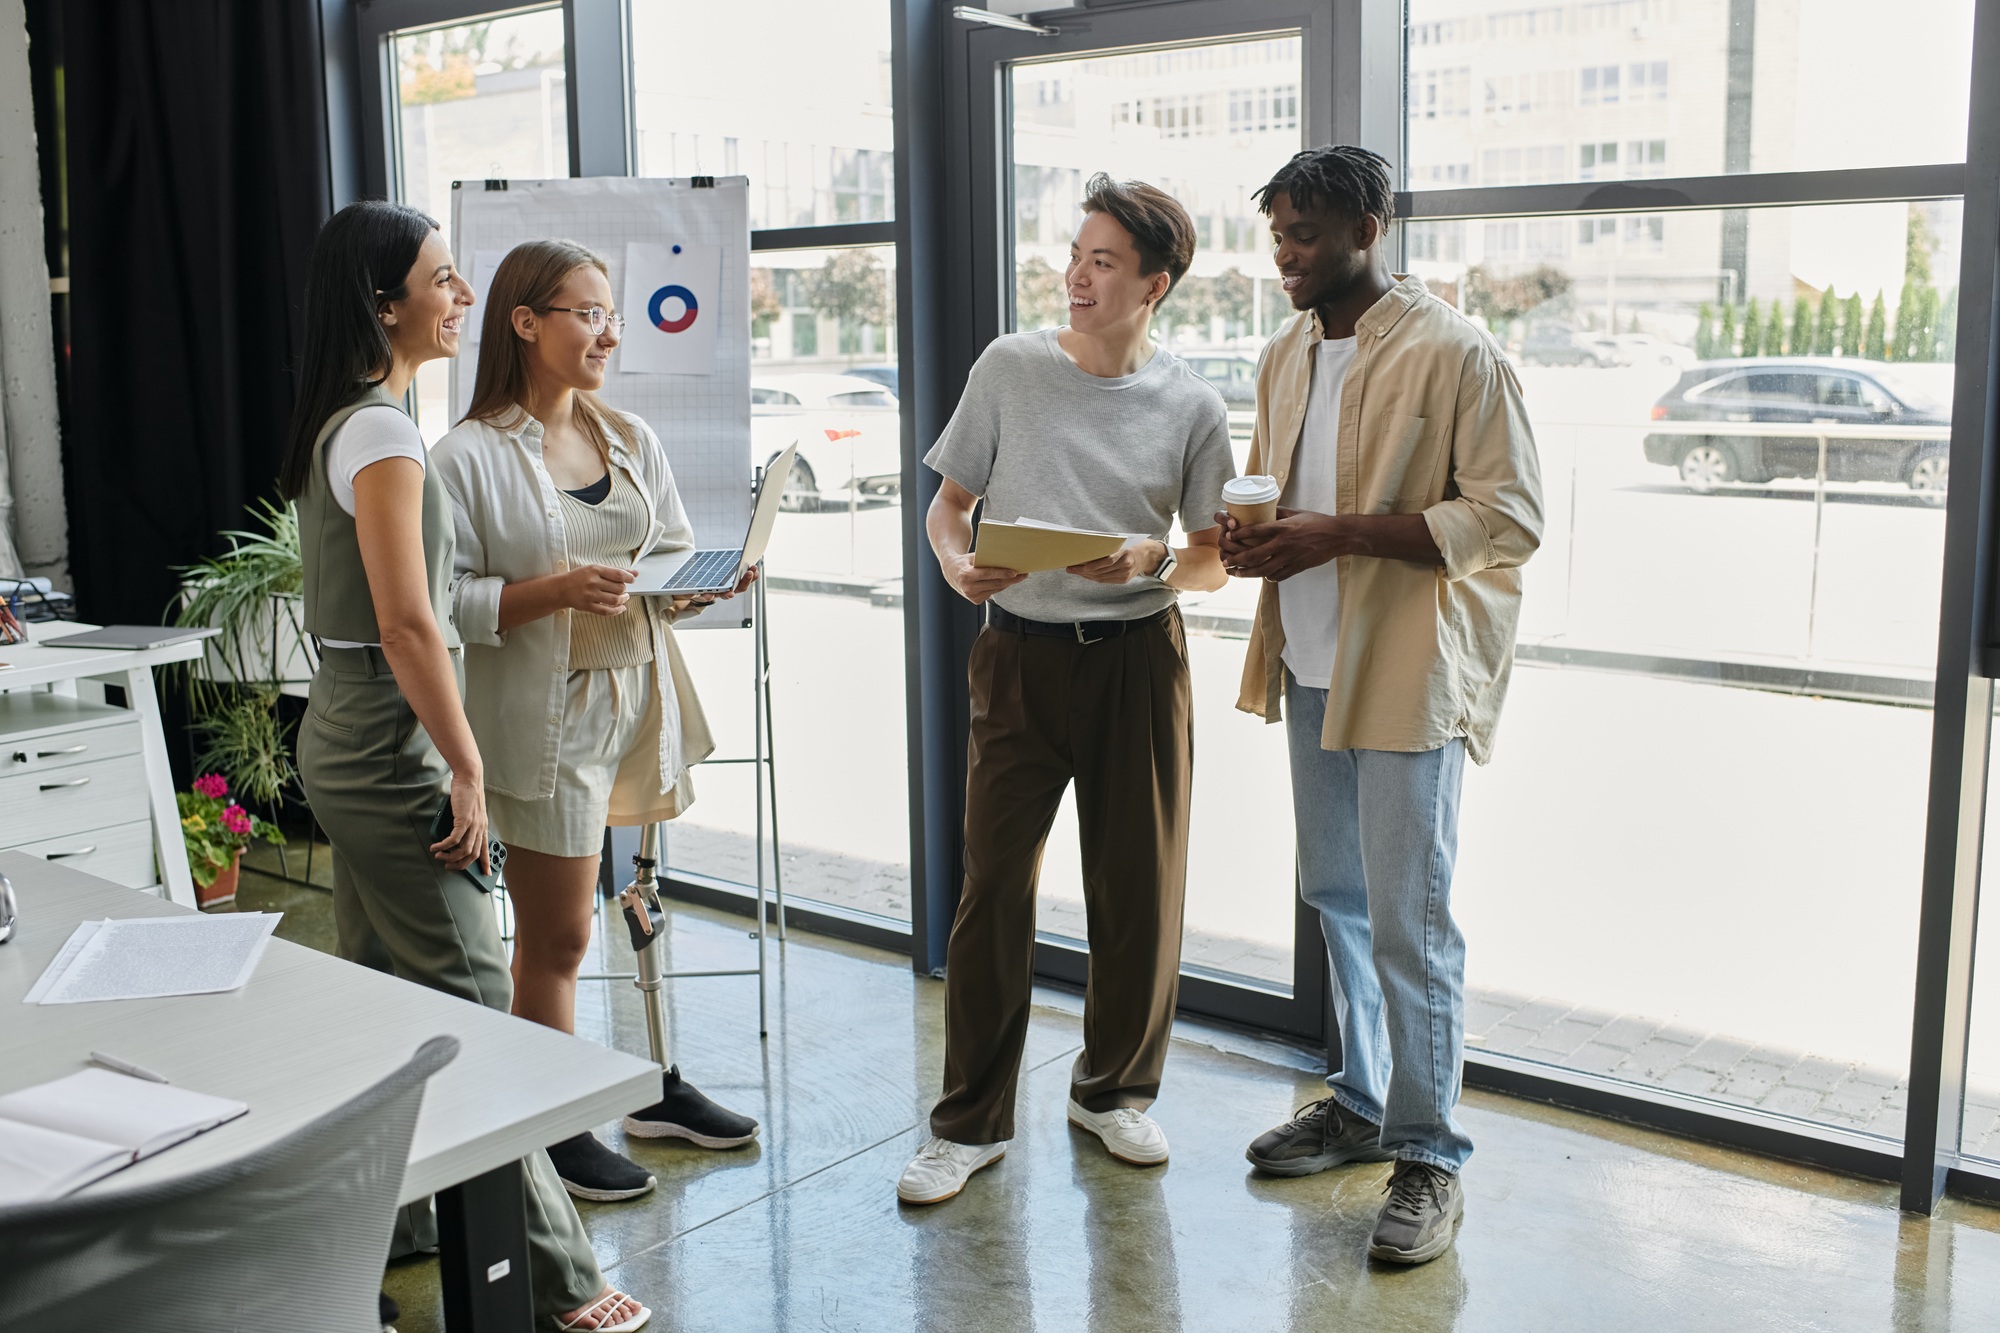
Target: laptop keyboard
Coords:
[[706, 569]]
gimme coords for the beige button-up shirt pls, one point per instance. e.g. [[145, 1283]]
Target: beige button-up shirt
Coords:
[[509, 524], [1431, 423]]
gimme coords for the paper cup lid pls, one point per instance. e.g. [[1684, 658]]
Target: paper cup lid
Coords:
[[1253, 489]]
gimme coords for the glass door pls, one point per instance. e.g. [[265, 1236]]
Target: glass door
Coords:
[[1205, 101]]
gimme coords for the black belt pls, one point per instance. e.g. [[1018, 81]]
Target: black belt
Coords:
[[1080, 631]]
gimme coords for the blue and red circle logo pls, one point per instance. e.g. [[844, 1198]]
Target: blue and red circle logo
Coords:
[[656, 308]]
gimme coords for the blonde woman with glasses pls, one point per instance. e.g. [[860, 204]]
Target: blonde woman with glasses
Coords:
[[575, 690]]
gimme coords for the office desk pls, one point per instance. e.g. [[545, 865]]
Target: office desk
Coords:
[[46, 665], [307, 1033]]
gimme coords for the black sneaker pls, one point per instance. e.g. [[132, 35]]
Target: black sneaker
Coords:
[[1425, 1205], [390, 1312], [589, 1170], [683, 1113], [1320, 1136]]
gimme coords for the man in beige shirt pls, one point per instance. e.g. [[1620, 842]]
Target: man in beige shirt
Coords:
[[1409, 499]]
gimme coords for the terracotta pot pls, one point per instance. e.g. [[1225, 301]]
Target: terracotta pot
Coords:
[[224, 888]]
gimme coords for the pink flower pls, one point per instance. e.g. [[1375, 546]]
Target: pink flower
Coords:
[[212, 785], [235, 820]]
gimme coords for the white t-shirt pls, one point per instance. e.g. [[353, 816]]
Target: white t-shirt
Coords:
[[1309, 601], [376, 432]]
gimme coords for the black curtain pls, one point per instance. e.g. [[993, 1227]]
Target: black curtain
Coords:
[[198, 175]]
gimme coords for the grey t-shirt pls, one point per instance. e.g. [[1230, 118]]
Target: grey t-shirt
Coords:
[[1038, 437]]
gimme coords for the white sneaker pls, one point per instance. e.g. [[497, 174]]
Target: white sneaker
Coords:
[[1130, 1136], [941, 1168]]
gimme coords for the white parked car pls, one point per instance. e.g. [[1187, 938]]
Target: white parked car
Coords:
[[1643, 349], [848, 430]]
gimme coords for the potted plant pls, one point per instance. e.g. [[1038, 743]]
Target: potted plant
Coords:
[[251, 593], [216, 830]]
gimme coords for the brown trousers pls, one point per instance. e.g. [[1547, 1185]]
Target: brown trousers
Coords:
[[1115, 717]]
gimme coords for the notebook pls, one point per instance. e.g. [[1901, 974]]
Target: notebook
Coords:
[[1032, 545], [57, 1137]]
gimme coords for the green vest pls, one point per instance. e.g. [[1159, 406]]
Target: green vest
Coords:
[[338, 602]]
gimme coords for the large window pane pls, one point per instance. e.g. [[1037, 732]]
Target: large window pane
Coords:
[[804, 111], [1979, 1137], [1503, 92], [1664, 877], [823, 376], [1209, 124], [476, 101]]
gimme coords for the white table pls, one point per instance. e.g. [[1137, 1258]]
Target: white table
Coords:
[[46, 664], [307, 1033]]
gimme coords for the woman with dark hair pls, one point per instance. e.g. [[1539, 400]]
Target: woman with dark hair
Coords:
[[576, 692], [385, 740]]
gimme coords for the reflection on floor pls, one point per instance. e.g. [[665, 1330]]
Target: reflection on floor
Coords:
[[1571, 1222]]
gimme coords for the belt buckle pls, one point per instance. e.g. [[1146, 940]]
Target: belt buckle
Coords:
[[1077, 625]]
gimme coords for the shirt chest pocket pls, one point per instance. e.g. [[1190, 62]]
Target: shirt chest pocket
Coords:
[[1411, 458]]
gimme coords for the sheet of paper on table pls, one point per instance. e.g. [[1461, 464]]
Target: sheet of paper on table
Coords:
[[143, 958]]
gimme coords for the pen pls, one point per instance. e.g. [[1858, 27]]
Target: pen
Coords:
[[125, 1067]]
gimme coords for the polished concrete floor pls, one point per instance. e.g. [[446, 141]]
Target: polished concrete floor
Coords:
[[1571, 1222]]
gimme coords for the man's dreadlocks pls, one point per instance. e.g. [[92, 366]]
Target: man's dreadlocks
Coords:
[[1348, 180]]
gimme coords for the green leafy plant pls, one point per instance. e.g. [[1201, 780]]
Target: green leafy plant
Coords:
[[215, 829], [251, 593], [245, 738]]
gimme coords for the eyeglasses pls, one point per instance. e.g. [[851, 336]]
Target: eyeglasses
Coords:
[[598, 318]]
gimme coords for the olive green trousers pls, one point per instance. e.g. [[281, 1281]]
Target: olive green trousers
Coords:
[[375, 782]]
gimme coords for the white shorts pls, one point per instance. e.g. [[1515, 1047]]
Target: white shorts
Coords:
[[607, 769]]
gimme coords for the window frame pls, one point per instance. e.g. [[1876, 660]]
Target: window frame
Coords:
[[944, 98]]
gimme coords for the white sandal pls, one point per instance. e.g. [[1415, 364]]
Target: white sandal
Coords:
[[609, 1299]]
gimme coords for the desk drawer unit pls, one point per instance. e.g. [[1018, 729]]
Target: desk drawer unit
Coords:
[[62, 749], [74, 798], [123, 855]]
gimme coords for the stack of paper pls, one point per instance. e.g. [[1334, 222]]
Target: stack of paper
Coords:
[[58, 1137], [143, 958], [1032, 545]]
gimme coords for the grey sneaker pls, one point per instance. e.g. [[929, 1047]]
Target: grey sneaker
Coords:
[[1320, 1136], [1425, 1205]]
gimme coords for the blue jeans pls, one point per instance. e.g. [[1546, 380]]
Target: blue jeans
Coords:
[[1378, 833]]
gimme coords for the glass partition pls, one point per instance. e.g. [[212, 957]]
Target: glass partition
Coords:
[[1979, 1131], [1503, 92], [823, 376], [1696, 860], [805, 113], [1209, 123]]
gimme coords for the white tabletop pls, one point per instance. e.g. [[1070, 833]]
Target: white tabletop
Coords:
[[46, 660], [308, 1032]]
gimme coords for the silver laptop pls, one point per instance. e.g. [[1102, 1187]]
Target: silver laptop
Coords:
[[692, 573]]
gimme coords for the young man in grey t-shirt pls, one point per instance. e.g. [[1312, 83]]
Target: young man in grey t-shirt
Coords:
[[1081, 676]]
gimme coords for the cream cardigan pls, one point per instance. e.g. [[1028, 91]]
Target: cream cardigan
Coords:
[[509, 525]]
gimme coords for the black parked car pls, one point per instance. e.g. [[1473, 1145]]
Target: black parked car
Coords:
[[1808, 391]]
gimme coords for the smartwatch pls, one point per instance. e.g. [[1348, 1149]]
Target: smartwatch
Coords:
[[1168, 565]]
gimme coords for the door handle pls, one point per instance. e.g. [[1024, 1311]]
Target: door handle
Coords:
[[50, 754], [81, 851], [73, 782]]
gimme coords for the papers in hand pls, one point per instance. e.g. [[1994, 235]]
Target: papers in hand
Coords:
[[58, 1137], [1032, 545], [143, 958]]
